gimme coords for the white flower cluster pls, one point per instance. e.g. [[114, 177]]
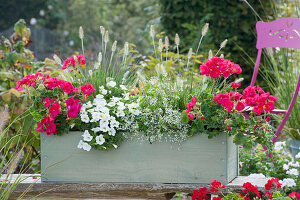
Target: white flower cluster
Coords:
[[106, 115], [160, 117], [287, 182]]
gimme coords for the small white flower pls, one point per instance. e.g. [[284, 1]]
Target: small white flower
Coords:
[[104, 127], [86, 147], [288, 182], [116, 146], [100, 139], [116, 99], [104, 121], [86, 136], [99, 96], [50, 7], [114, 123], [126, 96], [293, 172], [101, 87], [111, 84], [123, 87], [279, 145], [134, 111], [111, 118], [90, 72], [97, 129], [105, 110], [298, 156], [286, 166], [111, 104], [80, 144], [72, 126], [104, 91], [120, 113], [85, 118], [112, 132]]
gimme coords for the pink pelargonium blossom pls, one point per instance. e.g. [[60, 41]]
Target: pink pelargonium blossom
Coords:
[[67, 87], [87, 89], [235, 85], [48, 101], [48, 124], [73, 107], [191, 116], [217, 66], [54, 109], [29, 80], [70, 61]]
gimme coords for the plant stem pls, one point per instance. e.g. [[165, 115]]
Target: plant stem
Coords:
[[82, 47], [199, 44], [213, 86]]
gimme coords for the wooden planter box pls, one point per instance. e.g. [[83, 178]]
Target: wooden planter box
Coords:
[[197, 160]]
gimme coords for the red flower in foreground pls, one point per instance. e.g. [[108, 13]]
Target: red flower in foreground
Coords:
[[216, 198], [249, 187], [295, 195], [215, 186], [268, 195], [272, 184], [200, 194]]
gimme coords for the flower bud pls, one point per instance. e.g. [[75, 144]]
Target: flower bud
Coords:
[[190, 53], [152, 33]]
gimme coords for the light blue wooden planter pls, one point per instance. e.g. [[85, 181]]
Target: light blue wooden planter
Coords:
[[197, 160]]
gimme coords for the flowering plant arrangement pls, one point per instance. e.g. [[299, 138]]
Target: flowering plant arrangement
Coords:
[[223, 109], [272, 190], [56, 103], [107, 116]]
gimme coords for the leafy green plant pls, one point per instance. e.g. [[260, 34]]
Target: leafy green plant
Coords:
[[17, 61]]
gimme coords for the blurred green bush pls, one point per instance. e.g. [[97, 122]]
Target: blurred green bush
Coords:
[[232, 20]]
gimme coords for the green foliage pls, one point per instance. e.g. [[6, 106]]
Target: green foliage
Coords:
[[277, 162], [17, 61], [228, 19]]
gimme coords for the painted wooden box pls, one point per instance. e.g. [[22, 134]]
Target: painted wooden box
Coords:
[[197, 160]]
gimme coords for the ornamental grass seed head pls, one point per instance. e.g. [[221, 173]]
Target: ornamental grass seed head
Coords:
[[102, 30], [152, 33], [167, 43], [99, 57], [114, 46], [126, 49], [160, 45], [205, 29], [210, 54], [57, 59], [177, 39], [223, 44], [81, 35], [190, 53], [106, 37]]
